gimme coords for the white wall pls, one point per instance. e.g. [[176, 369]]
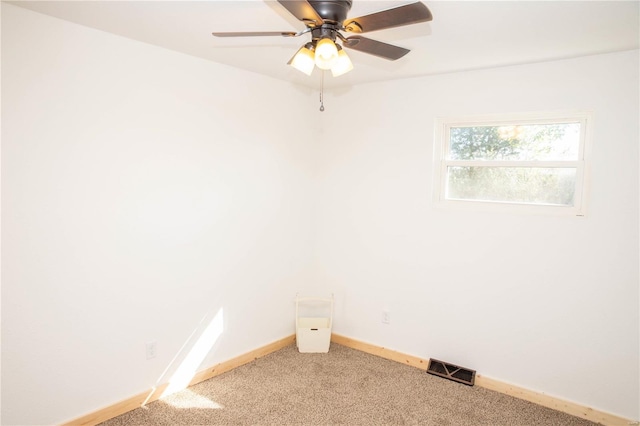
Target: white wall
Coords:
[[547, 303], [142, 191]]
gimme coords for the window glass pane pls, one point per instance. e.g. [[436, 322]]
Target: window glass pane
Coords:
[[555, 186], [527, 142]]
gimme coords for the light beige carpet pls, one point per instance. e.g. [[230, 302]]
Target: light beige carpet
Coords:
[[345, 387]]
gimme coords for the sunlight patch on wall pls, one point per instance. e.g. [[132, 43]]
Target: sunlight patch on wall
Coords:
[[188, 368]]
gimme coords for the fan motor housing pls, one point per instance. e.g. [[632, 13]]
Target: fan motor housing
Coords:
[[332, 10]]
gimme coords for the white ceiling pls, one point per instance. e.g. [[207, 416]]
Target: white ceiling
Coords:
[[463, 34]]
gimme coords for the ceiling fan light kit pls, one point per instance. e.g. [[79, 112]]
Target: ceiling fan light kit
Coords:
[[325, 19], [304, 60], [343, 65], [326, 54]]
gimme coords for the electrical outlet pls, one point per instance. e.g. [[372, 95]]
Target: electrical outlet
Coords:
[[386, 317], [152, 349]]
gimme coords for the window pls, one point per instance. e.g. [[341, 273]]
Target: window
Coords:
[[528, 162]]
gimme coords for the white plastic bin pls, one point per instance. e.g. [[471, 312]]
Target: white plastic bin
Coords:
[[314, 318]]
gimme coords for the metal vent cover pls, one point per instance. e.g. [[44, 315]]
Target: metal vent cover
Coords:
[[451, 372]]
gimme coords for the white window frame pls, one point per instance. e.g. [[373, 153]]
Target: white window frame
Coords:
[[442, 163]]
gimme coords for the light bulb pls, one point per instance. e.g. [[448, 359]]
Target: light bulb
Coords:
[[326, 54], [303, 60], [343, 65]]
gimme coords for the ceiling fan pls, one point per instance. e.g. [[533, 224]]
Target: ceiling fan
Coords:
[[326, 19]]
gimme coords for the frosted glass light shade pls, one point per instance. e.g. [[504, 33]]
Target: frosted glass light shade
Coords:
[[343, 65], [326, 54], [303, 60]]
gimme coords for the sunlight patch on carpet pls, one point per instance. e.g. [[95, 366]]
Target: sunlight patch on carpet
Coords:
[[189, 399]]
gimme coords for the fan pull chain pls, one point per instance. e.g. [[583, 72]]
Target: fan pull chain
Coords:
[[322, 93]]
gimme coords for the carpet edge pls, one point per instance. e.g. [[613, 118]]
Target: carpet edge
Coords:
[[548, 401], [136, 401]]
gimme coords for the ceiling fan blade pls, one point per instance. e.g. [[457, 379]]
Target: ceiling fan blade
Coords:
[[377, 48], [403, 15], [257, 34], [303, 11]]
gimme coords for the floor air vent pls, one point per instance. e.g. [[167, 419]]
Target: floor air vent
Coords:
[[451, 372]]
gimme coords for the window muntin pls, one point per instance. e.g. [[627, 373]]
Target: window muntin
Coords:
[[535, 161]]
